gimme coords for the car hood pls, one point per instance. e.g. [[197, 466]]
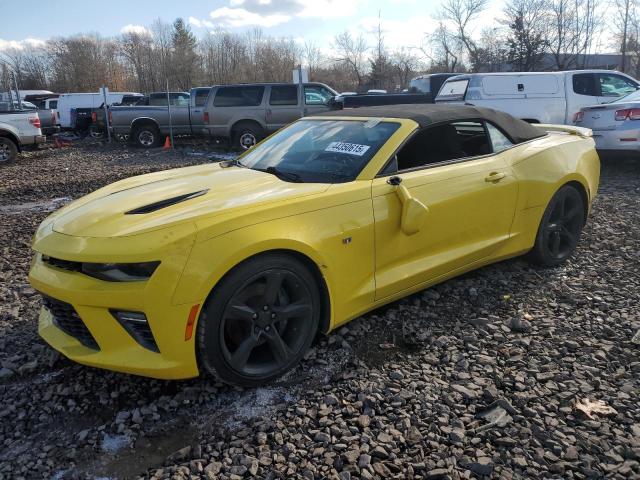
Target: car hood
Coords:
[[149, 202]]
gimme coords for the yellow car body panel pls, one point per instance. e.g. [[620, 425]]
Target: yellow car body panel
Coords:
[[460, 218]]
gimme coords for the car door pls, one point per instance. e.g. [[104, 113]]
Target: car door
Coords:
[[180, 112], [468, 203], [283, 107], [197, 106], [316, 99]]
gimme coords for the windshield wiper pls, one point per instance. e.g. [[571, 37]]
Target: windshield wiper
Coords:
[[232, 163], [281, 174]]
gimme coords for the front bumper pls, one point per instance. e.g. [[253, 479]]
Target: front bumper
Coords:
[[94, 300]]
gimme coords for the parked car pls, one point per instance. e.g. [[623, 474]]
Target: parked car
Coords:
[[18, 128], [147, 125], [423, 90], [74, 109], [545, 97], [47, 117], [98, 127], [615, 125], [232, 268], [247, 113]]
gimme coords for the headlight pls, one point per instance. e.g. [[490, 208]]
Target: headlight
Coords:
[[120, 272]]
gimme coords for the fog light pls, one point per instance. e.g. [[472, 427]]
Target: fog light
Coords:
[[136, 325]]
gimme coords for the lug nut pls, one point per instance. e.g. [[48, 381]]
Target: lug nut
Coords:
[[273, 315], [265, 308], [254, 316], [267, 328]]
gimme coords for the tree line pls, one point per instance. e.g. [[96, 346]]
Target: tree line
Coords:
[[528, 35]]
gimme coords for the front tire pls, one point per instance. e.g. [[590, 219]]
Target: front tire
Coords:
[[259, 321], [560, 228], [8, 151]]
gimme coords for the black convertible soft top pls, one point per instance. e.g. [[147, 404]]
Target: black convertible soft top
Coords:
[[424, 115]]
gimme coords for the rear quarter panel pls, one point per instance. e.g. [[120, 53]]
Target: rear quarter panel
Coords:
[[542, 167]]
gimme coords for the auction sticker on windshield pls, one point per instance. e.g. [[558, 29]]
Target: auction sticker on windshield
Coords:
[[350, 148]]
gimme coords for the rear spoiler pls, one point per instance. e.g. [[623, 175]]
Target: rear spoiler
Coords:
[[569, 130]]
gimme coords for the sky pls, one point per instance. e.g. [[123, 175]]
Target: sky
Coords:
[[404, 22]]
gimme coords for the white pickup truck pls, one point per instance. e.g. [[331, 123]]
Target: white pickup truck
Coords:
[[18, 128]]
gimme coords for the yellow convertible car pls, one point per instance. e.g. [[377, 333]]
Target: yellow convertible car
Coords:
[[233, 268]]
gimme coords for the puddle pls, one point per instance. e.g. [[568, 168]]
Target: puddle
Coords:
[[45, 206]]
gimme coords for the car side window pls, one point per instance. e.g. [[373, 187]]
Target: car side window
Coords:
[[201, 97], [283, 95], [53, 104], [499, 140], [316, 95], [249, 96], [585, 84], [615, 85], [444, 142]]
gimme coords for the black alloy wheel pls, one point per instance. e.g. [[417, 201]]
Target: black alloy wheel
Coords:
[[260, 321], [561, 227]]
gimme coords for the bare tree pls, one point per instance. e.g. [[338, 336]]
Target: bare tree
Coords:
[[443, 50], [462, 14], [350, 52]]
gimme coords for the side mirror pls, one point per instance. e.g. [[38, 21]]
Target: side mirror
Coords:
[[414, 211]]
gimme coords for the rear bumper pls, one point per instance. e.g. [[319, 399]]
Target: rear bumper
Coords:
[[48, 131], [617, 140], [33, 139]]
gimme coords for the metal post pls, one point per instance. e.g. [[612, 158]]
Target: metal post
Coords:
[[106, 112], [303, 110], [15, 84], [170, 119]]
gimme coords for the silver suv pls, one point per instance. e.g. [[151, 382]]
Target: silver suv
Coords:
[[246, 113]]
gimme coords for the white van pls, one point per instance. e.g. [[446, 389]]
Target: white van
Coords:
[[68, 101], [538, 97]]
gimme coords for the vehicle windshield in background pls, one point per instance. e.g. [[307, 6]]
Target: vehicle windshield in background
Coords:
[[420, 85], [320, 151], [454, 90], [631, 97]]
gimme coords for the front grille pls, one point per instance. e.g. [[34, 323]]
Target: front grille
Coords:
[[63, 264], [67, 319]]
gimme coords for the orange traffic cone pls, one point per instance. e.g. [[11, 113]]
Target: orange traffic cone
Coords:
[[167, 143]]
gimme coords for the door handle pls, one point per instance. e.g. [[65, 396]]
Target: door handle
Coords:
[[495, 177]]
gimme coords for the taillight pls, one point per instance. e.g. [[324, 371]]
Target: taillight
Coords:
[[53, 117], [35, 121], [627, 114], [206, 117], [110, 118], [94, 117], [578, 116]]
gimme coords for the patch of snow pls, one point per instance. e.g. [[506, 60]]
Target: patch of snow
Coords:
[[114, 443], [45, 206]]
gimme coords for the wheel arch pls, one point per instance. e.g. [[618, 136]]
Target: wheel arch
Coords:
[[12, 137], [583, 191], [245, 121], [140, 121], [311, 264]]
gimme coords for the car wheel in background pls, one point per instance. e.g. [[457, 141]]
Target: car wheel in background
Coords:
[[259, 321], [560, 228], [95, 132], [247, 135], [8, 151], [147, 136]]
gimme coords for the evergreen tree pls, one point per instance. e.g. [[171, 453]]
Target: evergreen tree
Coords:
[[184, 60]]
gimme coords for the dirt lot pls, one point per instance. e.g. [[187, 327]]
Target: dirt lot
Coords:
[[476, 377]]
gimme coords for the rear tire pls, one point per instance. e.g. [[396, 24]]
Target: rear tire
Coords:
[[259, 321], [560, 228], [8, 151], [147, 136], [246, 135]]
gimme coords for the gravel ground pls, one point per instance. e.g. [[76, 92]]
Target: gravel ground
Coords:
[[498, 373]]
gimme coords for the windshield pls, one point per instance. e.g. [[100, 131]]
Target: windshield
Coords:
[[453, 90], [320, 151], [631, 97]]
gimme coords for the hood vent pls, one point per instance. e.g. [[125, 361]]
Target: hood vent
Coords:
[[154, 207]]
